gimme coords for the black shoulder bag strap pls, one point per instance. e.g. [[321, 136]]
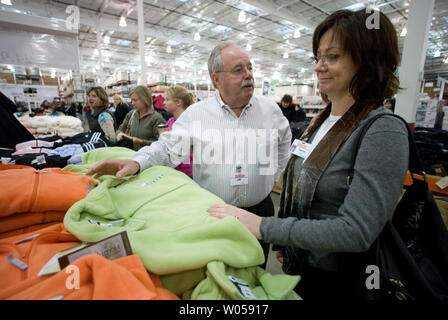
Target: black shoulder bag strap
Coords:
[[415, 164]]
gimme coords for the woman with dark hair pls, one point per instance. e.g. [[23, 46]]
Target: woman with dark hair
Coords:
[[321, 214], [101, 120]]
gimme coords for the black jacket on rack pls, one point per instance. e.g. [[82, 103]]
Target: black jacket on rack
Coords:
[[12, 132]]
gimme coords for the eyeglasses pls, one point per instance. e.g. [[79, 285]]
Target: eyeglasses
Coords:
[[239, 70], [326, 59]]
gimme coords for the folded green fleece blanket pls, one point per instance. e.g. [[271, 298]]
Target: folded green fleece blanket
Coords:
[[89, 159], [252, 283], [164, 214]]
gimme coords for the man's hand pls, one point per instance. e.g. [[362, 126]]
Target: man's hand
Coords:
[[119, 168], [250, 220]]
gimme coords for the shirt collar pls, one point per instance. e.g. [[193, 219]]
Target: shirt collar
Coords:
[[227, 108]]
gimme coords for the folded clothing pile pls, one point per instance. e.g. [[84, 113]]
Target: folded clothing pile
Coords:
[[164, 213], [64, 126], [53, 151], [23, 257], [34, 198]]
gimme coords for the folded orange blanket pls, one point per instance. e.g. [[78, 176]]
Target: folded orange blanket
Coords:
[[90, 277], [31, 190]]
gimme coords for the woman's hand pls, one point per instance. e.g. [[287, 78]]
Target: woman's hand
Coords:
[[120, 136], [136, 140], [250, 220], [279, 255]]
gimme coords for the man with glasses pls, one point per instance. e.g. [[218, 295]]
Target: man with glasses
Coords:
[[240, 141]]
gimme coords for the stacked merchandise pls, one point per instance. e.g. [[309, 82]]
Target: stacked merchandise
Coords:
[[432, 145], [36, 198], [178, 249], [53, 151], [24, 257], [63, 126]]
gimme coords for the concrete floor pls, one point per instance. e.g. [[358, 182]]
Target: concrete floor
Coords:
[[273, 266]]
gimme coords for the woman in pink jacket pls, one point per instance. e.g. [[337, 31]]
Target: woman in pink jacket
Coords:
[[177, 100]]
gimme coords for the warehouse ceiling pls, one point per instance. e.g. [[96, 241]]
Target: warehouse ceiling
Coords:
[[277, 34]]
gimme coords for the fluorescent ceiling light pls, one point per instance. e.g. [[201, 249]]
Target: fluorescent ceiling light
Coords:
[[285, 55], [297, 34], [172, 43], [122, 22], [197, 36], [106, 39], [53, 73], [283, 30], [437, 54], [354, 7], [121, 42], [221, 29], [7, 2], [96, 52], [168, 49], [242, 16], [248, 47], [404, 32], [298, 50]]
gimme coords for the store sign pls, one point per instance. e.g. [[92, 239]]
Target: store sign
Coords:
[[24, 48]]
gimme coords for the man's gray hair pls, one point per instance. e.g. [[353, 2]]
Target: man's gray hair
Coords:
[[215, 63]]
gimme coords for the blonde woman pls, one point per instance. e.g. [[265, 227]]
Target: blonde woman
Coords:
[[140, 125], [121, 109], [177, 100]]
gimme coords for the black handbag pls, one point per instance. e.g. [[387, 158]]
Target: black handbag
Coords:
[[411, 252]]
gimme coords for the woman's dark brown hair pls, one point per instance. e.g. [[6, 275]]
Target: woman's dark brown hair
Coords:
[[373, 51], [100, 93]]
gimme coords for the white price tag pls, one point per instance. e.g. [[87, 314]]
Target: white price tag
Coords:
[[41, 159], [442, 183]]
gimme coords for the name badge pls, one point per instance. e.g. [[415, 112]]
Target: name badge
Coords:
[[239, 176], [300, 148]]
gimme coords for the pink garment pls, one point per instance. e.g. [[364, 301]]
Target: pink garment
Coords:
[[159, 102], [185, 167]]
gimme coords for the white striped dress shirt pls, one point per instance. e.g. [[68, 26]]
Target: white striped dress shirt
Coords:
[[257, 142]]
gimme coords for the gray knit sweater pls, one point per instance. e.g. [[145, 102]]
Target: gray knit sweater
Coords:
[[347, 219]]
